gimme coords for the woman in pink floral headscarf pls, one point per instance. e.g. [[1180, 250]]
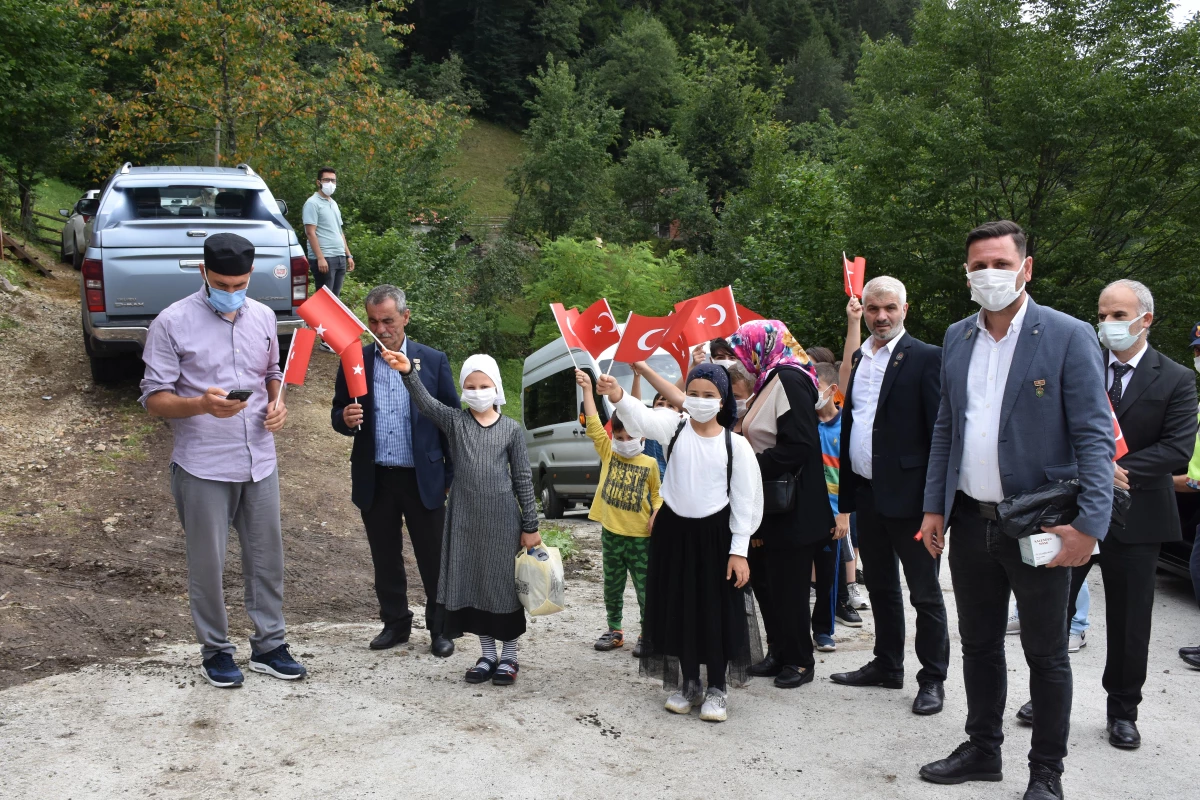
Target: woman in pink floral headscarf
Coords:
[[781, 426]]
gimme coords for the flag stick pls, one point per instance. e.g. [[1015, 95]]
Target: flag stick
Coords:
[[569, 353], [613, 360], [279, 397], [359, 428]]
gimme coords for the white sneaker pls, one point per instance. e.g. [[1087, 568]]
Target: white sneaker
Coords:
[[857, 600], [1014, 622], [678, 704], [1077, 642], [714, 709]]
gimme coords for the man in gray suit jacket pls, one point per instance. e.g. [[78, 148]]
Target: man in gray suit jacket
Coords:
[[1023, 404]]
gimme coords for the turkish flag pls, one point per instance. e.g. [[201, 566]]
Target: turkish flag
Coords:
[[853, 272], [679, 351], [331, 320], [644, 335], [566, 317], [746, 315], [299, 354], [355, 370], [1122, 447], [715, 316], [596, 328]]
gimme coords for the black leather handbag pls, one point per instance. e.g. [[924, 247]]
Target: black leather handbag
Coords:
[[779, 494]]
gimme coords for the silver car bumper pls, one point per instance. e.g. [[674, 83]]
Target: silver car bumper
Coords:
[[138, 334]]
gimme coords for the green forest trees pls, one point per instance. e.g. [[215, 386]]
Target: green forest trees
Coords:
[[1079, 123]]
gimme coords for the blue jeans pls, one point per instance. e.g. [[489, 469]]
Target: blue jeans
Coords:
[[1083, 604]]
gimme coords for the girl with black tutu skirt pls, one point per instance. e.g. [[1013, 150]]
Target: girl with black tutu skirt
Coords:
[[698, 606]]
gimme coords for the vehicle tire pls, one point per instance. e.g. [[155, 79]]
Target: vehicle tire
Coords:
[[77, 260], [108, 370], [63, 258], [285, 342], [552, 506]]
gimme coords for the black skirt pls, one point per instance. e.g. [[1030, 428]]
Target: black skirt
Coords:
[[504, 627], [694, 615]]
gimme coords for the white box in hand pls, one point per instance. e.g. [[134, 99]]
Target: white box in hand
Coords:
[[1040, 548]]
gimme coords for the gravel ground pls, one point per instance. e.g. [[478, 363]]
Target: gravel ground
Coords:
[[577, 724]]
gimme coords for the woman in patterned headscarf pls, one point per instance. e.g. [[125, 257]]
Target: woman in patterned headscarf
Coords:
[[781, 426]]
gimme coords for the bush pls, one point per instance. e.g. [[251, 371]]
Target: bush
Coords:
[[555, 536]]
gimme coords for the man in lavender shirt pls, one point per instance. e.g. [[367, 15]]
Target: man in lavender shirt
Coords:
[[223, 468]]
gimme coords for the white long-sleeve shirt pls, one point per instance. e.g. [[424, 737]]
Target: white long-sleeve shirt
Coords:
[[694, 486]]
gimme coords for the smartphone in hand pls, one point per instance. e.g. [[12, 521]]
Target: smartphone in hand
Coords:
[[239, 395]]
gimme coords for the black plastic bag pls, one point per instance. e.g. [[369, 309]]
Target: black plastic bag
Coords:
[[1056, 503]]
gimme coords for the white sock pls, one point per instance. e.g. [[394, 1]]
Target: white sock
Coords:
[[510, 650], [488, 644]]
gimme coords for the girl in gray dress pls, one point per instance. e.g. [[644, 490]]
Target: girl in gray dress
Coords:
[[491, 513]]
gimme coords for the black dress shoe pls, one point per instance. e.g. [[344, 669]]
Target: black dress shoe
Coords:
[[441, 646], [929, 699], [790, 677], [390, 637], [1123, 733], [1044, 784], [870, 675], [1025, 713], [966, 763], [1191, 656], [767, 668]]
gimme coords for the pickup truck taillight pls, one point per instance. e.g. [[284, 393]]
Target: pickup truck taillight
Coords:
[[299, 280], [93, 283]]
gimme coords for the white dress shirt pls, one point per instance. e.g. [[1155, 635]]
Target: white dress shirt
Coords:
[[868, 379], [979, 474], [1133, 362]]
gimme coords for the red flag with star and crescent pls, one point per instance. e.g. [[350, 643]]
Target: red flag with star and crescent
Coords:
[[355, 370], [1122, 446], [299, 354], [644, 335], [596, 328], [714, 316], [565, 318], [853, 272], [746, 315], [332, 321]]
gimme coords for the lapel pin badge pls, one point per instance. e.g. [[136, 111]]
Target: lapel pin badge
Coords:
[[417, 364], [1039, 387]]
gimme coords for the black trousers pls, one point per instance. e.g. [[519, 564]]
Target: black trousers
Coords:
[[885, 544], [1128, 571], [397, 497], [985, 565], [787, 567], [756, 558], [828, 565]]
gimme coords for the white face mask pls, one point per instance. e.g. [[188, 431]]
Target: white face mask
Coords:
[[628, 449], [725, 362], [823, 399], [328, 187], [479, 399], [1116, 336], [743, 407], [702, 409], [995, 289]]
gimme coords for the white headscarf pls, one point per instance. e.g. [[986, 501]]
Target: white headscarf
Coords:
[[481, 362]]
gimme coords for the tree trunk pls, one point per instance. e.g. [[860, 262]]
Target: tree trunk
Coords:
[[25, 190]]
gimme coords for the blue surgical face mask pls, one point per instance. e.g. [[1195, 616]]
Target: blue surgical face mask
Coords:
[[223, 301]]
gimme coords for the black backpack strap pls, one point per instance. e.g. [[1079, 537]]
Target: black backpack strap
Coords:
[[729, 462], [671, 444]]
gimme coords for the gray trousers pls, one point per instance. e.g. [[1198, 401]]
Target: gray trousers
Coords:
[[206, 511]]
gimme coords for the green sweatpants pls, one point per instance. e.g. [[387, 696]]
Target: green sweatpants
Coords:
[[623, 554]]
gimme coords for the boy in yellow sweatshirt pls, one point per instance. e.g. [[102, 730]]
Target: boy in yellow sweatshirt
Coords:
[[625, 503]]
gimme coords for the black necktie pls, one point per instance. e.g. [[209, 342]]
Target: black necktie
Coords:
[[1114, 391]]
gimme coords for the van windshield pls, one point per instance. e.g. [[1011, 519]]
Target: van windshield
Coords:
[[186, 201], [660, 362]]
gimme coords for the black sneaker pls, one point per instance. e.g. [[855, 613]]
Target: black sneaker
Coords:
[[221, 672], [278, 663], [637, 648], [610, 640], [847, 615]]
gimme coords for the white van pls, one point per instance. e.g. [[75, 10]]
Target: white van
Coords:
[[566, 469]]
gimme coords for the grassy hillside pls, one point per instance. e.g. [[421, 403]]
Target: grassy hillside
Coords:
[[485, 155]]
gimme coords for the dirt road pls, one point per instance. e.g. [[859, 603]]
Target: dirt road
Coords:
[[93, 605]]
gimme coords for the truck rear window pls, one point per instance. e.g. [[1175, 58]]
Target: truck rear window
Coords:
[[185, 201]]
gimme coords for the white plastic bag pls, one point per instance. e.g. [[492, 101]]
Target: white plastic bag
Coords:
[[540, 585]]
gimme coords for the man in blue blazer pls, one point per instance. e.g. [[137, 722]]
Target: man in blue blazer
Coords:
[[1023, 403], [399, 468]]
